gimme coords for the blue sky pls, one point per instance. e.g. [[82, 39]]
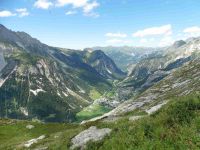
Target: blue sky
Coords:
[[86, 23]]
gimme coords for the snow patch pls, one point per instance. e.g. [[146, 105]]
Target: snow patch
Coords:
[[81, 90], [24, 111], [2, 81], [108, 71], [133, 54], [35, 92], [59, 94], [72, 106], [66, 95], [39, 82]]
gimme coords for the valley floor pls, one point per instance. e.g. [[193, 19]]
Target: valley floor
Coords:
[[175, 126]]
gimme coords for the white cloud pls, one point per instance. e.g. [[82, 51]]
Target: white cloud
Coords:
[[192, 31], [21, 9], [70, 12], [87, 6], [22, 12], [6, 13], [117, 35], [74, 3], [43, 4], [162, 30]]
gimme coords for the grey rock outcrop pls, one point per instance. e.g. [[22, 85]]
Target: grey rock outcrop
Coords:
[[91, 134]]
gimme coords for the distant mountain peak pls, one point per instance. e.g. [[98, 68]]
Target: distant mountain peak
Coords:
[[179, 43], [2, 26]]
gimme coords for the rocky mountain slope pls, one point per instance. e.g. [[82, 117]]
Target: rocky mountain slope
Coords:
[[48, 83], [181, 82], [124, 56], [156, 105], [165, 116], [147, 72], [154, 68], [103, 64]]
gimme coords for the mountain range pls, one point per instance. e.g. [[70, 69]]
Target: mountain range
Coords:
[[48, 83], [125, 56], [152, 98]]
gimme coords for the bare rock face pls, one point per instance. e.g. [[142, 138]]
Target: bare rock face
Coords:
[[91, 134]]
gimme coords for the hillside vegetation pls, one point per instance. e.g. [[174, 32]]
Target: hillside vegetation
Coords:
[[175, 126]]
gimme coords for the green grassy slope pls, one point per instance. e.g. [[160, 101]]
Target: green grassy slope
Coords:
[[57, 136], [92, 111], [175, 126]]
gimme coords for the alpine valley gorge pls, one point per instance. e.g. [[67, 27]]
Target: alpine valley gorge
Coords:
[[98, 98]]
